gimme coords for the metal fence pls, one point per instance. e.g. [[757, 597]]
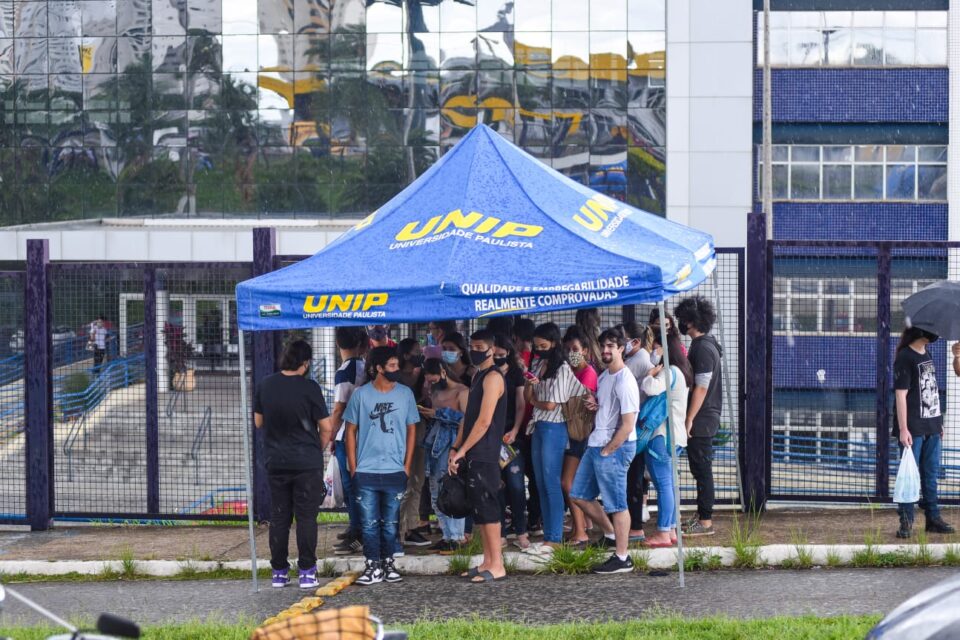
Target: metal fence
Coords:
[[13, 506], [834, 325]]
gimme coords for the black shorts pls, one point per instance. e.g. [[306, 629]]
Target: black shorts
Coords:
[[577, 449], [483, 491]]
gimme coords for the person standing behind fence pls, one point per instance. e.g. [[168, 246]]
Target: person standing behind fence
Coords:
[[350, 375], [293, 415], [412, 528], [637, 353], [576, 345], [919, 424], [956, 358], [98, 341], [381, 422], [695, 318], [514, 491]]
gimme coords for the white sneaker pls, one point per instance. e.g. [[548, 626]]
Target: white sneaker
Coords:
[[372, 574]]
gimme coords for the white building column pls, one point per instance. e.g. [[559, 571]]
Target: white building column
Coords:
[[710, 116], [952, 430]]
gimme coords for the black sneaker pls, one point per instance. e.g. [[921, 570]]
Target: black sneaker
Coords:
[[372, 574], [939, 525], [444, 546], [390, 573], [906, 528], [348, 547], [415, 539], [346, 534], [615, 565], [605, 543]]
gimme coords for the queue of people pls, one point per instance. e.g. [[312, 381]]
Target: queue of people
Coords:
[[497, 409]]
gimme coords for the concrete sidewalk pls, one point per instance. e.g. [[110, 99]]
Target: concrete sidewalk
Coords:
[[229, 543]]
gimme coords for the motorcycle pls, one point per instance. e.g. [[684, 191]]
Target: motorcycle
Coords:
[[109, 627]]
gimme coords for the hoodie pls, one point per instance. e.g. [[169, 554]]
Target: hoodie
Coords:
[[706, 359]]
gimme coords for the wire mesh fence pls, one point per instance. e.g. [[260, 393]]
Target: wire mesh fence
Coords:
[[832, 404], [12, 440]]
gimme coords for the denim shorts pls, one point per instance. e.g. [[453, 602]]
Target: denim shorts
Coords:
[[604, 477]]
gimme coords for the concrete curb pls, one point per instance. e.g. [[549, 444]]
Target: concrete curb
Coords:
[[769, 556]]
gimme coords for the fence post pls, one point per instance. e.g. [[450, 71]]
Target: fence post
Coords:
[[884, 384], [38, 389], [152, 391], [264, 363], [754, 440]]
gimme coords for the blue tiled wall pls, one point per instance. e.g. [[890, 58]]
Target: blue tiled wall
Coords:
[[856, 95], [860, 221]]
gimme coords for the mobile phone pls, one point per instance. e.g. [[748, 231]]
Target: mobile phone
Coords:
[[528, 375]]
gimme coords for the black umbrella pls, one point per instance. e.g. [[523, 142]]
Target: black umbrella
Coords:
[[936, 308]]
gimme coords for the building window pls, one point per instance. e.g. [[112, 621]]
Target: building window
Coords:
[[855, 38], [858, 172], [836, 306]]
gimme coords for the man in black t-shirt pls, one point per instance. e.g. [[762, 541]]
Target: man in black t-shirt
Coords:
[[291, 411], [918, 408], [479, 444], [696, 317]]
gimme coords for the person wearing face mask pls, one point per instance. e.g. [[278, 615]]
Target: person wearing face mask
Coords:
[[412, 528], [478, 448], [654, 326], [291, 411], [552, 384], [456, 358], [436, 332], [637, 354], [448, 403], [381, 422], [514, 492], [575, 346]]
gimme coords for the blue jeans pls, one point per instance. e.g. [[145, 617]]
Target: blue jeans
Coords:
[[658, 462], [549, 443], [349, 488], [514, 493], [604, 477], [379, 497], [926, 451], [452, 527]]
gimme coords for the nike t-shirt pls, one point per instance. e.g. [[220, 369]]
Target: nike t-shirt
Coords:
[[382, 420]]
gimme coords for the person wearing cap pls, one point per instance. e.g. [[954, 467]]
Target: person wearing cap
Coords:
[[380, 336], [918, 423]]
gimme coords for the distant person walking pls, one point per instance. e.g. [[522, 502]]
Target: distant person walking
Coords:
[[98, 341], [293, 415]]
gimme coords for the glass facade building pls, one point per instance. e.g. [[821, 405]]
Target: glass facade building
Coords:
[[314, 107]]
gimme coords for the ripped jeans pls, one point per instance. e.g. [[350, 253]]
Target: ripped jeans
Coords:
[[379, 497], [514, 493]]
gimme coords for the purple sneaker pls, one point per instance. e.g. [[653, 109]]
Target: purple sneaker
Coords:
[[281, 578], [308, 578]]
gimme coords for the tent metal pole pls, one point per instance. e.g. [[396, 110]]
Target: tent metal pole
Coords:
[[247, 459], [728, 381], [670, 446]]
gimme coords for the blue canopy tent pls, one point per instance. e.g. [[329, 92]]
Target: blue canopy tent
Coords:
[[487, 230]]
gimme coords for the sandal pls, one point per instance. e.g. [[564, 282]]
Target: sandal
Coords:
[[486, 576]]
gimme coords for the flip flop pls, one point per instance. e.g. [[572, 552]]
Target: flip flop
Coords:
[[486, 577], [637, 539], [657, 545], [471, 573]]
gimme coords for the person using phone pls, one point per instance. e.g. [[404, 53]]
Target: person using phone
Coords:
[[514, 492]]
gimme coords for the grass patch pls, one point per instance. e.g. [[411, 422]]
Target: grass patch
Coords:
[[573, 562], [128, 565], [698, 560], [460, 561], [641, 560], [803, 558], [951, 557], [833, 558], [655, 628], [922, 555], [187, 572], [746, 541]]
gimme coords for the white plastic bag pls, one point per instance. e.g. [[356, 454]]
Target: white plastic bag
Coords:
[[334, 485], [907, 487]]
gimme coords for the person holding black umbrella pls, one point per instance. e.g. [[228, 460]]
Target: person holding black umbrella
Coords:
[[919, 424]]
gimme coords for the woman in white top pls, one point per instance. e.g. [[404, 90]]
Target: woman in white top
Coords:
[[552, 384], [658, 453]]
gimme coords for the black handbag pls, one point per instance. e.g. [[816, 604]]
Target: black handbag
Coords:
[[452, 499]]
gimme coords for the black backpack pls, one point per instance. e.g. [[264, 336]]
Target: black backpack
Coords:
[[452, 500]]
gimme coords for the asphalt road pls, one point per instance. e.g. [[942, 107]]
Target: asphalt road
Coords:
[[525, 598]]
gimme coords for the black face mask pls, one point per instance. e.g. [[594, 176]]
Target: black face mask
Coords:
[[501, 361], [415, 361], [683, 327], [542, 353], [439, 385], [392, 376], [478, 357]]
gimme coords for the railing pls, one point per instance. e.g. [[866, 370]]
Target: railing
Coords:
[[203, 433], [116, 375], [179, 393]]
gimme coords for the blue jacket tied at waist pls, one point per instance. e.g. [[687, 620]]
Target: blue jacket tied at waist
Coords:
[[442, 435]]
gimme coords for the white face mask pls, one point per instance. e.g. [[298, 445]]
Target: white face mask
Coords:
[[629, 349], [655, 358]]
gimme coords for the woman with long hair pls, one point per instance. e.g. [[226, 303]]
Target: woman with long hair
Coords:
[[411, 361], [918, 423], [456, 357], [588, 322], [575, 345], [658, 455], [551, 384]]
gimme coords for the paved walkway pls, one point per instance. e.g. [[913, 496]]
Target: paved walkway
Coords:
[[526, 598], [185, 542]]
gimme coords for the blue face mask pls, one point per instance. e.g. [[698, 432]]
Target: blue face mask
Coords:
[[451, 356]]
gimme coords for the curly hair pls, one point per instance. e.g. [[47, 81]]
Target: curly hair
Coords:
[[696, 312]]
